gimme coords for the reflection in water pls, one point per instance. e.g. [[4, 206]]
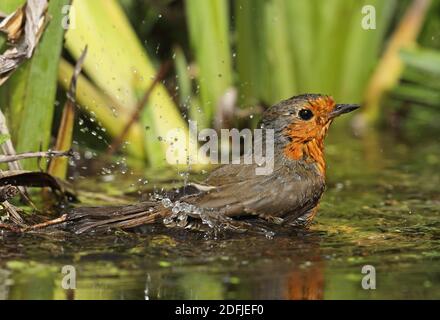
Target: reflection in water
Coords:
[[147, 287], [306, 285], [5, 283], [291, 271]]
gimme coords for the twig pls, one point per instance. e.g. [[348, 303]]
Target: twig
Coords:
[[56, 221], [29, 155], [43, 225], [139, 108]]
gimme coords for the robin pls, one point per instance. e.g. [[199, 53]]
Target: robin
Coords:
[[233, 195]]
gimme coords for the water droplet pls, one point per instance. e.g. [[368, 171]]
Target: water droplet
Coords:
[[167, 203]]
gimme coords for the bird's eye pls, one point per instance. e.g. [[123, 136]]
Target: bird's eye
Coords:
[[305, 114]]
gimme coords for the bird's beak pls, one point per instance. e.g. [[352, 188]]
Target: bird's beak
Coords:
[[343, 108]]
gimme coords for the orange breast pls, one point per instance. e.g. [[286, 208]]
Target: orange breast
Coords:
[[311, 151]]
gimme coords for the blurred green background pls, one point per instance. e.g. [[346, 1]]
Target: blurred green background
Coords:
[[229, 60]]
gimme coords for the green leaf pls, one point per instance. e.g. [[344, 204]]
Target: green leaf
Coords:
[[118, 65], [208, 24], [31, 90]]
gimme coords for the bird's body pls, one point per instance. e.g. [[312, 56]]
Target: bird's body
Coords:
[[288, 195]]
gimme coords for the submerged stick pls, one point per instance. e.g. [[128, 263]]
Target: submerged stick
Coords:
[[42, 225], [10, 228]]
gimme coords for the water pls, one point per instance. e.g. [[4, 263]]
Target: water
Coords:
[[381, 208]]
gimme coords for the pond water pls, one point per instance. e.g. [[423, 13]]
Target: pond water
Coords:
[[381, 208]]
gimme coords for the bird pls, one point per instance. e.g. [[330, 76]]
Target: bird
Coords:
[[233, 195]]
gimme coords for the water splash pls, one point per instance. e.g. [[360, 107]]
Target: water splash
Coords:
[[206, 219]]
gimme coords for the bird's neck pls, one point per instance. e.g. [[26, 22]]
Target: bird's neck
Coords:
[[311, 151]]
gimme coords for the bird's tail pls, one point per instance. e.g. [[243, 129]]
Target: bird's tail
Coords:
[[85, 219]]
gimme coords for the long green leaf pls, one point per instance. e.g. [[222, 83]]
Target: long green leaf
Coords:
[[265, 61], [302, 42], [119, 65], [209, 35], [251, 56], [279, 56], [362, 49], [32, 89]]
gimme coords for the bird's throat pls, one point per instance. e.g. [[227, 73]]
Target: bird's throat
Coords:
[[310, 151]]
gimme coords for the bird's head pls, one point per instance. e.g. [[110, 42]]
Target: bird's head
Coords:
[[301, 124]]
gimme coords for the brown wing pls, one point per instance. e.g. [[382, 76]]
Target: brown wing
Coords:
[[292, 189]]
